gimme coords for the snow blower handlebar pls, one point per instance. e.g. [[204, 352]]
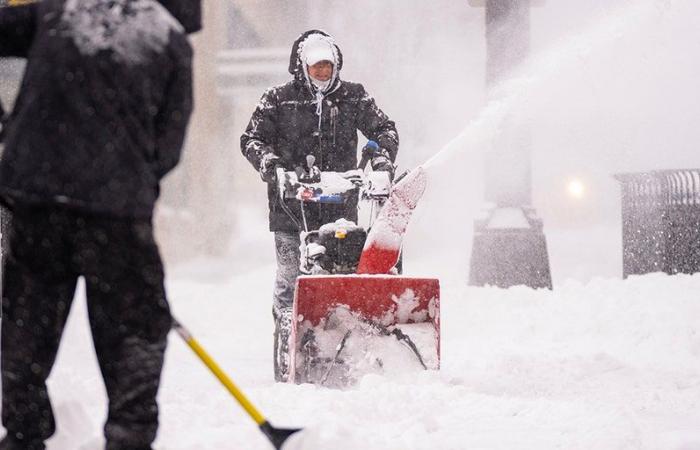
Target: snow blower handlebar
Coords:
[[328, 187], [332, 187], [277, 436]]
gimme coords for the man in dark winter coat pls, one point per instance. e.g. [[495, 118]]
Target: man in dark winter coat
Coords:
[[314, 114], [100, 118]]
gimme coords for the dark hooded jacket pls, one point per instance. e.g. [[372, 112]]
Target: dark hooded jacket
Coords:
[[286, 123], [103, 106]]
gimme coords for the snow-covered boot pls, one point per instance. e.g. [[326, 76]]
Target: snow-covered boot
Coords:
[[280, 357]]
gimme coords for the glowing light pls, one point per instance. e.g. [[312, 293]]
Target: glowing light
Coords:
[[576, 189]]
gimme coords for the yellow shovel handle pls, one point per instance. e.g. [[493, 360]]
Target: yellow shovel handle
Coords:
[[216, 370], [20, 2]]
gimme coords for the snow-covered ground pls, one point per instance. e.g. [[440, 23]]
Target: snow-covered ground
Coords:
[[607, 364]]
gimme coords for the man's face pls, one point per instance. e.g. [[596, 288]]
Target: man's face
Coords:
[[321, 71]]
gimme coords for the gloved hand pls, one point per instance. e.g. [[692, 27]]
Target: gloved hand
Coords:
[[381, 162], [268, 164], [368, 152]]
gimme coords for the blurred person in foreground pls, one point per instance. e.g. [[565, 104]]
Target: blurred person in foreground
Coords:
[[99, 120], [313, 114]]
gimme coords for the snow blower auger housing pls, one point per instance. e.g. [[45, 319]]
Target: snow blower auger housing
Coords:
[[352, 314]]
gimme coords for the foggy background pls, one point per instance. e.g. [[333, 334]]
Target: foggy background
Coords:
[[610, 86]]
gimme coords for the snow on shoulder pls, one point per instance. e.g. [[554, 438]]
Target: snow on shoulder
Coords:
[[130, 28]]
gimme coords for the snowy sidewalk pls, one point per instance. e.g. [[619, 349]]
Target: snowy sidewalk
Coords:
[[610, 364]]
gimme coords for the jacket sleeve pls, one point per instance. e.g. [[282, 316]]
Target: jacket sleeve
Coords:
[[17, 29], [377, 126], [174, 115], [260, 135], [2, 121]]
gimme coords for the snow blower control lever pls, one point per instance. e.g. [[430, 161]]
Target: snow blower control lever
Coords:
[[310, 174]]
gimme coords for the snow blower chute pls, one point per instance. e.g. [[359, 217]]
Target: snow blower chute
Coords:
[[353, 314]]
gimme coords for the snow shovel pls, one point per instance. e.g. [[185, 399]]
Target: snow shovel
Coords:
[[277, 436]]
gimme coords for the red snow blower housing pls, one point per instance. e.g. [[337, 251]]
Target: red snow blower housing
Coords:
[[353, 314]]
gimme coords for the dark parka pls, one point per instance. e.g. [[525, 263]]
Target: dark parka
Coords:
[[88, 131], [285, 122]]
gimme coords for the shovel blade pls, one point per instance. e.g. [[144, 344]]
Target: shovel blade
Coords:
[[277, 436]]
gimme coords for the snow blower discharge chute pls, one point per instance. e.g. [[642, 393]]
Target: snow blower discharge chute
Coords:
[[353, 314]]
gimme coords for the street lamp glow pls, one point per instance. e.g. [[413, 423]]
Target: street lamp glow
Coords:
[[576, 189]]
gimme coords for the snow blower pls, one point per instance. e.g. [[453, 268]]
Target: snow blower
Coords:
[[277, 436], [353, 314]]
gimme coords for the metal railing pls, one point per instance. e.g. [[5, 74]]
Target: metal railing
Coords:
[[661, 221]]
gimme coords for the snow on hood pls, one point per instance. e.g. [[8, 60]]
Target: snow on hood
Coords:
[[132, 29], [314, 39]]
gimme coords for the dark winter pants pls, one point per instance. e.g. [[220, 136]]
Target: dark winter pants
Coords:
[[50, 249], [287, 251]]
